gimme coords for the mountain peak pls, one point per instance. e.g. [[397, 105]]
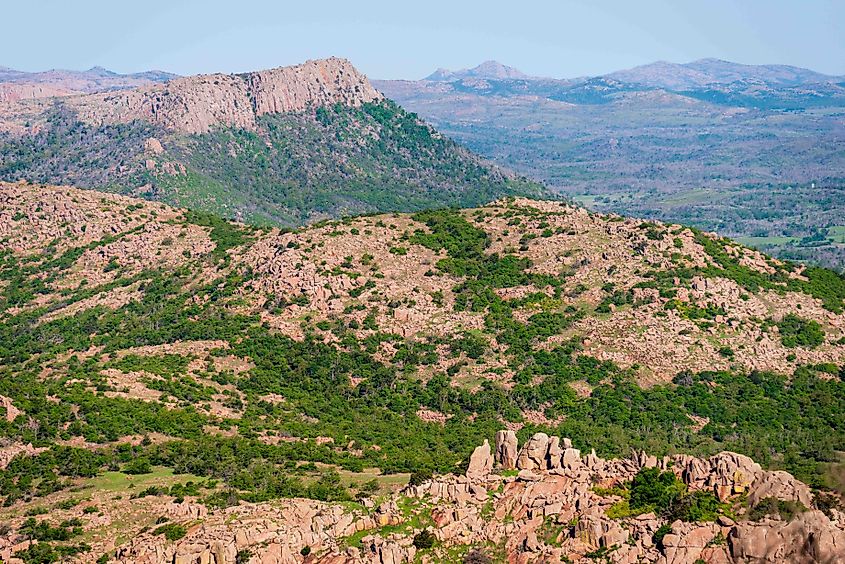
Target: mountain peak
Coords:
[[101, 71], [490, 69]]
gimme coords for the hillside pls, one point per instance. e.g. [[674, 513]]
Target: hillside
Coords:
[[753, 152], [161, 366], [287, 145]]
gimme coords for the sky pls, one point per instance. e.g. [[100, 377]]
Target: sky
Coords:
[[395, 39]]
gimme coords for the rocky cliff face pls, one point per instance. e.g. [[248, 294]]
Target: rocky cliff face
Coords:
[[195, 104]]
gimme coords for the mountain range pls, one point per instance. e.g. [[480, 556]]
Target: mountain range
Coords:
[[16, 85], [707, 72], [660, 74]]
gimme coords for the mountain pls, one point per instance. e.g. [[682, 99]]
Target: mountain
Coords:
[[486, 70], [287, 145], [774, 75], [751, 152], [175, 387], [708, 72]]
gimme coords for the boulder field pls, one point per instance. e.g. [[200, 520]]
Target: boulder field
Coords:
[[543, 502]]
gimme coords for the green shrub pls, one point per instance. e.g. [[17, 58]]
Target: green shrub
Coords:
[[138, 466], [424, 539], [786, 510], [653, 490], [799, 332], [171, 531]]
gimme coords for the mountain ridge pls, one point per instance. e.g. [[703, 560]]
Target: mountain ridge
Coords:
[[712, 71], [69, 82], [707, 71], [197, 103]]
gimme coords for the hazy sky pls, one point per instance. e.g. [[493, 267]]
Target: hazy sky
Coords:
[[395, 39]]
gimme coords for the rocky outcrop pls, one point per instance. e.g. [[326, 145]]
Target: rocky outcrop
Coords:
[[195, 104], [11, 411], [506, 449], [809, 538], [481, 462], [555, 488], [534, 455], [546, 513], [780, 485], [273, 534], [10, 451]]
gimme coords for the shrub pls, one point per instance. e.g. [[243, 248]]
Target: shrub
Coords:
[[138, 466], [786, 510], [652, 489], [420, 476], [799, 332], [657, 538], [424, 539], [171, 531]]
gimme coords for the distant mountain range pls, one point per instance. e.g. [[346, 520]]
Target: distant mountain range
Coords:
[[15, 84], [708, 72], [660, 74], [487, 69], [750, 151]]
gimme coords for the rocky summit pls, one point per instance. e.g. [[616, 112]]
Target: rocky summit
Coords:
[[524, 381], [195, 104]]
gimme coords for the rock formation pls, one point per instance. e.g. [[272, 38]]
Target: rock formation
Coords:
[[481, 462], [195, 104], [810, 538], [551, 512], [506, 449]]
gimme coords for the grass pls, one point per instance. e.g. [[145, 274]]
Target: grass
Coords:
[[836, 233], [117, 482], [760, 241], [416, 515]]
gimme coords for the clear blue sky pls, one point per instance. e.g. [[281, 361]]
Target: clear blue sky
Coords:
[[396, 39]]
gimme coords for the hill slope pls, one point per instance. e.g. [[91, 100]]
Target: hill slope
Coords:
[[286, 145], [172, 346]]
